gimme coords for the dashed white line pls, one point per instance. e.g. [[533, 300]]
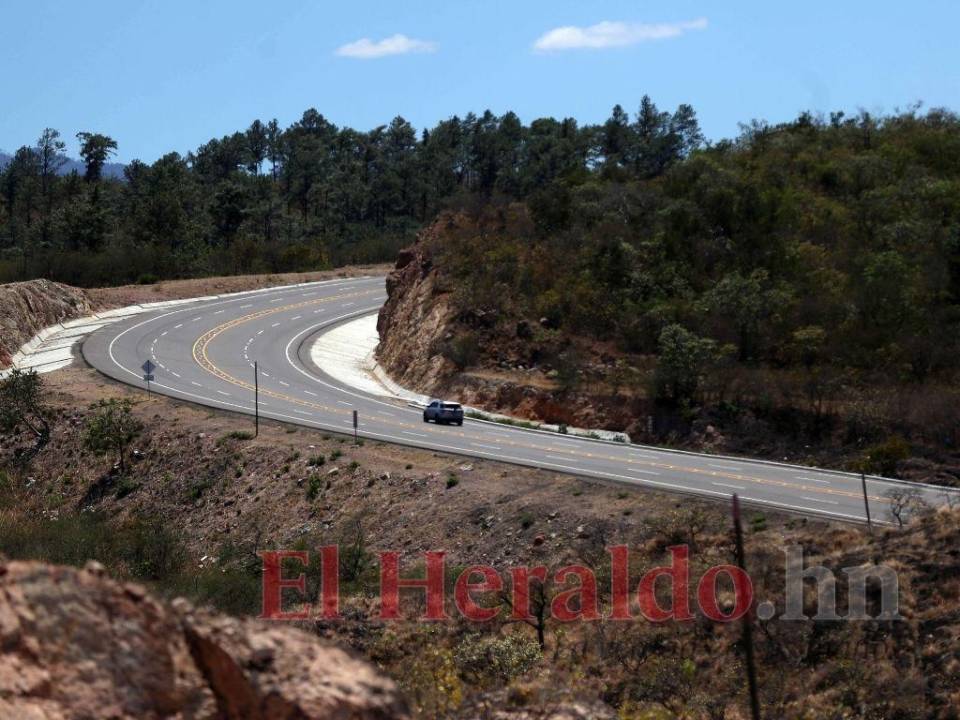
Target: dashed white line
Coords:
[[307, 392], [244, 307], [223, 393], [725, 467], [643, 472], [407, 432], [219, 312], [195, 383], [810, 479], [298, 317], [303, 412], [384, 412], [829, 502], [561, 459], [275, 325], [344, 402], [285, 384], [177, 327]]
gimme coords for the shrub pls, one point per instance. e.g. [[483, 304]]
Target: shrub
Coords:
[[452, 481], [314, 485], [316, 461], [235, 435], [486, 660]]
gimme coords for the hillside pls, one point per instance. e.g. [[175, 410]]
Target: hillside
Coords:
[[793, 294], [201, 498]]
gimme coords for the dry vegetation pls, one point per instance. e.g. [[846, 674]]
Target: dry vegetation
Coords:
[[202, 496]]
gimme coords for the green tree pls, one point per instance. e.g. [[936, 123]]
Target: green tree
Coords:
[[95, 149], [22, 406], [112, 428], [682, 360]]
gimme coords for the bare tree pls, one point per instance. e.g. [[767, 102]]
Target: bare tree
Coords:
[[904, 503]]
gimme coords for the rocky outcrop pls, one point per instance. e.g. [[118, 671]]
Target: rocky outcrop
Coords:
[[26, 308], [75, 644], [416, 315], [419, 322]]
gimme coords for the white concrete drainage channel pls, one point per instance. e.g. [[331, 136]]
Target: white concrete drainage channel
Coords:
[[346, 353]]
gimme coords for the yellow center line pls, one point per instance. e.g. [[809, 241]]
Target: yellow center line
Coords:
[[201, 357]]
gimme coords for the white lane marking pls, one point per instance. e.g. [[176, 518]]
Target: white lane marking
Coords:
[[197, 319], [307, 392], [260, 332], [317, 312], [350, 304], [298, 317], [303, 412], [194, 382], [219, 312], [177, 327], [644, 472], [407, 432], [725, 467], [224, 393], [310, 294], [175, 374], [728, 485], [285, 384], [275, 325], [487, 447], [561, 459], [264, 374], [831, 502], [163, 333], [276, 300], [641, 455], [384, 412], [344, 402], [810, 479], [244, 307]]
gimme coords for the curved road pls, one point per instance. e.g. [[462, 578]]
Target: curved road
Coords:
[[204, 353]]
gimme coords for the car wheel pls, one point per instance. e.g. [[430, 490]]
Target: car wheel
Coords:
[[460, 423], [425, 418]]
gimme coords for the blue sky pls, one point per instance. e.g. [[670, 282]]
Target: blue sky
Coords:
[[162, 76]]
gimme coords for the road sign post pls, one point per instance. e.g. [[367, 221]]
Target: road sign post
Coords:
[[866, 499], [356, 424], [148, 368], [747, 628], [256, 399]]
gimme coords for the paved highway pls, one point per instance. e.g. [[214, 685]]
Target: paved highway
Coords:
[[205, 351]]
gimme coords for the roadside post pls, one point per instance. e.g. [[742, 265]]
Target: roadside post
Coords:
[[866, 499], [356, 424], [256, 399], [747, 628], [148, 376]]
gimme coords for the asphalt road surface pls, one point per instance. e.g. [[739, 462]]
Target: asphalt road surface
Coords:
[[204, 353]]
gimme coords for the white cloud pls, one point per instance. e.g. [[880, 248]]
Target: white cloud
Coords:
[[609, 34], [367, 49]]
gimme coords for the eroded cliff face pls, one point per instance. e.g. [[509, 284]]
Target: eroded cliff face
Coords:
[[75, 644], [26, 308], [416, 316]]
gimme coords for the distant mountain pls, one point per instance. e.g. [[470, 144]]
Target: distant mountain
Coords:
[[110, 170]]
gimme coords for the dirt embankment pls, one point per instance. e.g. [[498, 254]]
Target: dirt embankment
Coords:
[[79, 645], [29, 307]]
